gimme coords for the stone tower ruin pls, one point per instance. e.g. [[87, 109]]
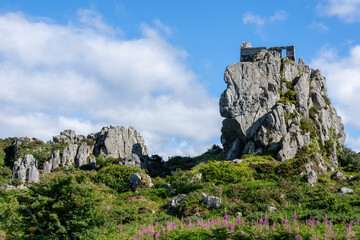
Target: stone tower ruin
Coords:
[[249, 53]]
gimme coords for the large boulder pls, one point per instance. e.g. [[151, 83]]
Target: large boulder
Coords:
[[119, 142], [140, 180], [69, 154], [175, 202], [25, 169], [83, 153], [212, 202], [275, 104]]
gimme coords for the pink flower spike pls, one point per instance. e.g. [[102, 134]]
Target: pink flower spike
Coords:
[[294, 217]]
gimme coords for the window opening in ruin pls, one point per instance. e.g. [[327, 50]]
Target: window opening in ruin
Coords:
[[283, 53]]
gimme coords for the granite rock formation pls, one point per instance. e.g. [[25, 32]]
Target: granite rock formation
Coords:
[[126, 144], [25, 169], [119, 142], [275, 104]]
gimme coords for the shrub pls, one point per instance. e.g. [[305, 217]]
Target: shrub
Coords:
[[349, 157], [117, 177], [228, 172], [67, 204], [184, 182], [5, 174], [104, 162]]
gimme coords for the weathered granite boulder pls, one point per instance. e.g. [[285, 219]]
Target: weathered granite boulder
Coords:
[[275, 104], [140, 180], [345, 190], [69, 154], [337, 176], [312, 177], [55, 159], [47, 167], [176, 201], [25, 169], [271, 209], [213, 202], [83, 153], [119, 142]]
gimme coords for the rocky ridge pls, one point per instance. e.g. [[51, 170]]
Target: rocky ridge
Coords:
[[124, 144], [274, 104]]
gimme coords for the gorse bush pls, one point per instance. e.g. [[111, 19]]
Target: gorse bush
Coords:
[[183, 182], [227, 172], [66, 204], [349, 157], [117, 177]]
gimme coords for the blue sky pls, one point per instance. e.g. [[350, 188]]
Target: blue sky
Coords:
[[158, 65]]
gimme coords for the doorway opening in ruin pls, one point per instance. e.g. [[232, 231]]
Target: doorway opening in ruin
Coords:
[[283, 53]]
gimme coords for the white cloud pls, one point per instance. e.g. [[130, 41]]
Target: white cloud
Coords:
[[82, 76], [347, 10], [343, 80], [259, 21], [354, 143], [318, 26]]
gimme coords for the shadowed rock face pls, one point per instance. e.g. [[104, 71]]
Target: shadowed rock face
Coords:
[[274, 104]]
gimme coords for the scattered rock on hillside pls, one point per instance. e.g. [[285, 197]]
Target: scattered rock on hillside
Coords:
[[278, 105], [237, 161], [271, 208], [25, 169], [312, 177], [176, 201], [337, 176], [345, 190], [140, 180], [238, 214], [213, 202]]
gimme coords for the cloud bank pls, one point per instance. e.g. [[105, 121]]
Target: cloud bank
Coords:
[[343, 79], [86, 75], [346, 10]]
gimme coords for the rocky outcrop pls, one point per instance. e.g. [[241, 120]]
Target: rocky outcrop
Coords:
[[83, 153], [274, 104], [140, 180], [119, 142], [68, 136], [69, 154], [25, 169]]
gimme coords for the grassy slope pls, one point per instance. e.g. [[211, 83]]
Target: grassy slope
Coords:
[[249, 187]]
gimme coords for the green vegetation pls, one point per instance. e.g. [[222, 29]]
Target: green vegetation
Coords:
[[98, 204], [289, 96], [117, 177]]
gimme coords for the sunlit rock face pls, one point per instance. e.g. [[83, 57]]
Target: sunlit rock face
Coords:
[[274, 104]]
